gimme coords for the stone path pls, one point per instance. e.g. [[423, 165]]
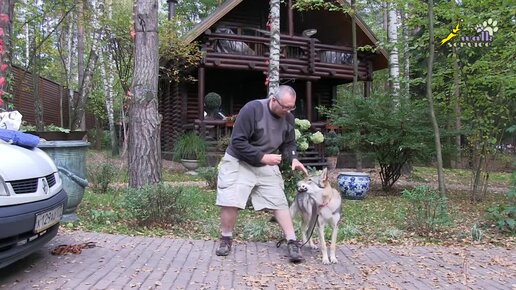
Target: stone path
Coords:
[[124, 262]]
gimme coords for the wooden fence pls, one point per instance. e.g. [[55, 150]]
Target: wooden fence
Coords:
[[54, 99]]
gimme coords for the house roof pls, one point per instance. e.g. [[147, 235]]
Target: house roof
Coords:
[[209, 21], [327, 21]]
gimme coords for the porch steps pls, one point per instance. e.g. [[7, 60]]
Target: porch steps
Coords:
[[312, 158]]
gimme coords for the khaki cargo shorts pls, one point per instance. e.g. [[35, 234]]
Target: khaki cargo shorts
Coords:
[[238, 180]]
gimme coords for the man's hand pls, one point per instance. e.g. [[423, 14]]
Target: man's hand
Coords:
[[271, 159], [296, 165]]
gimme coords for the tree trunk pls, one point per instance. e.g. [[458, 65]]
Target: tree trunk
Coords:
[[86, 73], [6, 26], [355, 69], [437, 135], [394, 66], [76, 120], [38, 106], [274, 55], [457, 107], [144, 120], [108, 77], [354, 44], [406, 52]]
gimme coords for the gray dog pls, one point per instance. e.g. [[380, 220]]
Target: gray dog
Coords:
[[317, 201]]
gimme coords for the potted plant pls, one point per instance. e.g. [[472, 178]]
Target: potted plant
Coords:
[[190, 150], [331, 149]]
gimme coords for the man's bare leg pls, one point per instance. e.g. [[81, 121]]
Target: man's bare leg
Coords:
[[228, 217]]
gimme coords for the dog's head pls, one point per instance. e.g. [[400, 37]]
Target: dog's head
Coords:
[[314, 185]]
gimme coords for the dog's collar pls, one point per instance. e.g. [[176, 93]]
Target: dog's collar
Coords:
[[325, 204]]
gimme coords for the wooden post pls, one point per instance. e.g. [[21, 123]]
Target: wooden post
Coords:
[[369, 80], [61, 123], [367, 89], [309, 100], [290, 19], [200, 98]]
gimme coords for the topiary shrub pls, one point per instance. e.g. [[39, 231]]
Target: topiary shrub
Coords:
[[212, 101]]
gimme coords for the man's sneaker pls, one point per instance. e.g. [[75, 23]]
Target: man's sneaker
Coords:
[[294, 251], [224, 246]]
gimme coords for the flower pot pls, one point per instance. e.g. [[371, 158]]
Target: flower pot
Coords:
[[190, 164], [70, 159], [59, 136], [354, 185], [332, 162]]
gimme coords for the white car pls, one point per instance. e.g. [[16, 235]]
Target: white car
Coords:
[[32, 201]]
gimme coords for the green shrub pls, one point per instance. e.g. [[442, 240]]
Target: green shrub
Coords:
[[393, 131], [476, 233], [504, 215], [290, 178], [349, 231], [256, 230], [427, 210], [157, 204], [393, 233], [210, 174], [104, 216], [101, 176]]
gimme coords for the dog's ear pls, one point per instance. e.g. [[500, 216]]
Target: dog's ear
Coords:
[[324, 175]]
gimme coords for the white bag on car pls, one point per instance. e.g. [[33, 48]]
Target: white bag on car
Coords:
[[10, 120]]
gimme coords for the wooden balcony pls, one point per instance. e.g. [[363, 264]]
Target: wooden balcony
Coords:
[[301, 57]]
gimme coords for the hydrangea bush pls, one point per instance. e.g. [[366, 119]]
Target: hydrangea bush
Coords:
[[304, 137]]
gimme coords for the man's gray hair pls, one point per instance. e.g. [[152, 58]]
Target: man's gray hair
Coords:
[[285, 90]]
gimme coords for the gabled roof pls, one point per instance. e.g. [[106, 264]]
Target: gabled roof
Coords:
[[207, 22], [380, 60]]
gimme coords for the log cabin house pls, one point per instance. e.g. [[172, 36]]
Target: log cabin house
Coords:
[[316, 57]]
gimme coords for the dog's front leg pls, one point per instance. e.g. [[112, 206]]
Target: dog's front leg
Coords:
[[333, 246], [324, 249]]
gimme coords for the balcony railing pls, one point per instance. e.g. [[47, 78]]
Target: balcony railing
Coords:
[[301, 57]]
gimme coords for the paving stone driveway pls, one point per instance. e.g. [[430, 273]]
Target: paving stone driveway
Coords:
[[123, 262]]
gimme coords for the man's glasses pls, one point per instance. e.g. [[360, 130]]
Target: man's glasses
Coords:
[[286, 108]]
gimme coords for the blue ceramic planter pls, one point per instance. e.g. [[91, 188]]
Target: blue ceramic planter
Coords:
[[354, 185]]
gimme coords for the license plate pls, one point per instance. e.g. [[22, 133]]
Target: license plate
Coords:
[[47, 219]]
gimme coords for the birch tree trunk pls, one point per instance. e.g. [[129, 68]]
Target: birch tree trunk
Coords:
[[106, 70], [144, 120], [429, 95], [108, 73], [394, 66], [406, 54], [274, 49], [66, 53]]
